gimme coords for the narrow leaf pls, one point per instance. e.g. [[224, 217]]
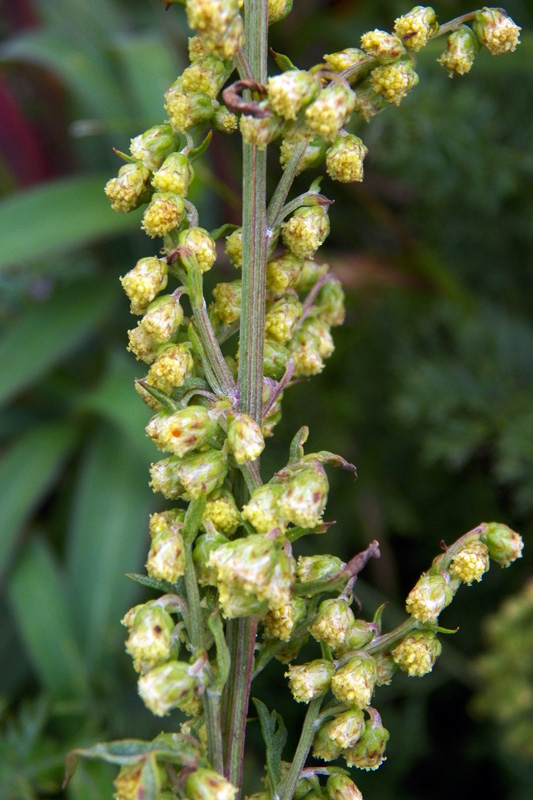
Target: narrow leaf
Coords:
[[275, 736]]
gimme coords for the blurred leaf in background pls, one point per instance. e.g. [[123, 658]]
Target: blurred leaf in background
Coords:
[[429, 391]]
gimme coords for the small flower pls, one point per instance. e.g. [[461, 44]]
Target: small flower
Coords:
[[282, 317], [496, 31], [260, 131], [204, 544], [174, 175], [311, 272], [144, 282], [182, 431], [149, 640], [394, 81], [346, 728], [227, 304], [163, 317], [283, 272], [386, 667], [314, 152], [345, 59], [280, 622], [278, 9], [234, 247], [429, 596], [275, 357], [170, 368], [169, 686], [225, 120], [126, 190], [330, 111], [344, 159], [462, 49], [471, 562], [202, 473], [153, 146], [382, 45], [187, 109], [305, 496], [245, 438], [368, 752], [202, 246], [505, 546], [306, 230], [262, 510], [368, 102], [323, 746], [164, 213], [222, 512], [206, 74], [141, 345], [333, 619], [166, 557], [164, 478], [311, 569], [341, 787], [417, 653], [329, 303], [358, 635], [307, 681], [206, 784], [354, 682], [417, 27], [289, 92]]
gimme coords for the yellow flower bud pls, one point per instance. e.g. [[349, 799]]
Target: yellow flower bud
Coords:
[[382, 45], [162, 319], [126, 190], [332, 622], [141, 345], [283, 272], [144, 282], [206, 784], [234, 247], [169, 686], [153, 146], [354, 682], [417, 27], [462, 49], [166, 557], [227, 304], [289, 92], [170, 368], [260, 131], [346, 729], [429, 596], [306, 230], [330, 111], [344, 159], [164, 213], [281, 318], [174, 175], [278, 9], [471, 562], [496, 31], [187, 109], [368, 752], [280, 622], [149, 640], [417, 653], [182, 431], [202, 246], [245, 438], [262, 510], [206, 75], [394, 81], [222, 512], [307, 681], [344, 59]]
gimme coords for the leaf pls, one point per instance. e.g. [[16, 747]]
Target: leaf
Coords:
[[36, 593], [60, 215], [108, 537], [274, 735], [48, 331], [27, 471]]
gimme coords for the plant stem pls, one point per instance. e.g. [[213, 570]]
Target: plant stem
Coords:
[[304, 745]]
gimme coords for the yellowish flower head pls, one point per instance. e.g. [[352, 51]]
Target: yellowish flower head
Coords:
[[344, 159], [170, 368], [417, 27], [496, 31], [330, 111], [164, 214], [144, 282], [417, 653], [394, 81], [470, 563], [382, 45], [354, 682]]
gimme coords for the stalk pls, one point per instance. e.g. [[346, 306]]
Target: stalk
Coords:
[[242, 633], [302, 751]]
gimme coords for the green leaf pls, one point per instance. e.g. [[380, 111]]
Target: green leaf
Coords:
[[150, 583], [48, 331], [58, 216], [27, 471], [274, 735], [108, 537], [37, 596]]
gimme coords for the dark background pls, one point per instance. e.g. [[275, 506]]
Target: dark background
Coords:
[[429, 390]]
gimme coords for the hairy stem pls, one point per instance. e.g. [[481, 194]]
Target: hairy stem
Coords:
[[304, 745]]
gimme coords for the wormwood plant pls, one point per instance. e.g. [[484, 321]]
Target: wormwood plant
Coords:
[[233, 594]]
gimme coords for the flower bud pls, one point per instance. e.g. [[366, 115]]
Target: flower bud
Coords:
[[344, 59], [496, 31], [275, 357], [341, 787], [173, 519], [394, 81], [368, 102], [166, 557], [504, 545], [289, 92], [282, 317], [429, 596], [305, 496], [417, 27], [462, 49], [329, 303], [358, 635], [163, 317], [417, 653], [282, 273], [320, 330], [332, 622], [346, 728], [153, 146], [164, 478], [227, 304], [306, 230], [196, 47], [344, 159], [278, 9], [330, 111], [206, 784], [202, 473], [150, 636], [170, 368], [202, 246], [314, 153], [222, 512], [131, 781], [262, 509], [280, 622], [204, 545], [234, 247], [164, 213], [207, 74], [182, 431], [471, 562], [260, 131], [144, 282], [307, 681], [386, 667], [368, 752], [126, 190], [354, 682], [225, 120], [169, 686], [141, 345], [187, 109], [245, 438], [382, 45], [310, 273], [323, 746], [311, 569], [174, 175]]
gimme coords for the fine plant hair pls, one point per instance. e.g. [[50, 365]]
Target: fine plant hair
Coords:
[[231, 591]]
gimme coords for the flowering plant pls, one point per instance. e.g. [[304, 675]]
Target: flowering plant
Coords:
[[233, 593]]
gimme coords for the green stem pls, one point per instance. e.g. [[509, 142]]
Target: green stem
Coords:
[[302, 751], [277, 200]]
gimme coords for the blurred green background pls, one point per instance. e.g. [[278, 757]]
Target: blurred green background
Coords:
[[429, 390]]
